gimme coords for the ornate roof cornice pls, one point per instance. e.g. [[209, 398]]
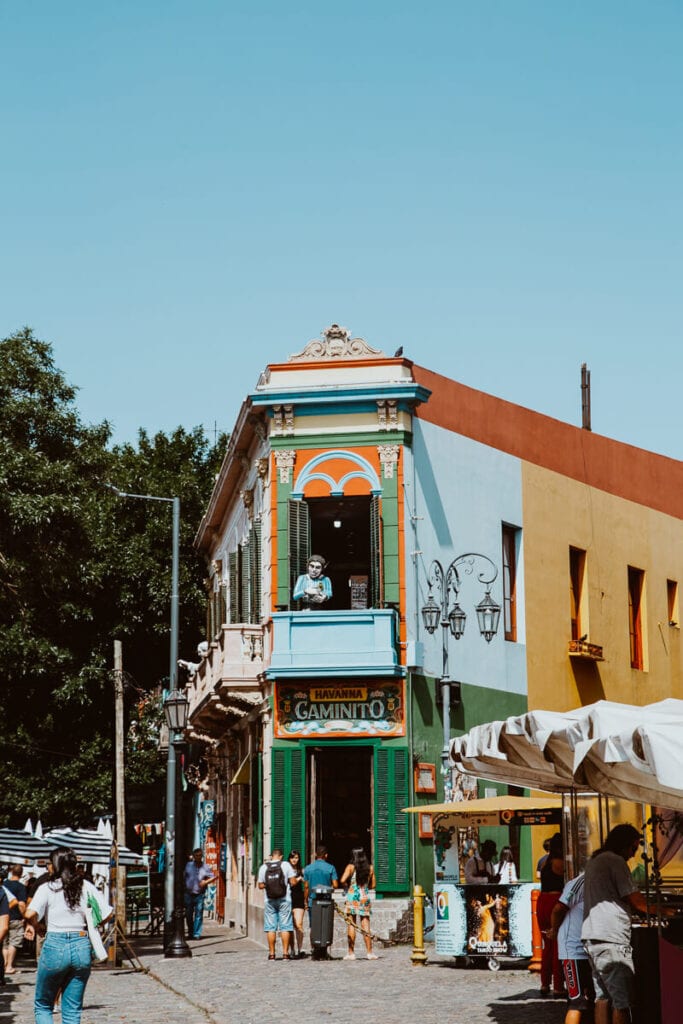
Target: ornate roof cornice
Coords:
[[336, 343]]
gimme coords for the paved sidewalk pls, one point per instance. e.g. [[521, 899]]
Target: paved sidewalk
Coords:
[[230, 980]]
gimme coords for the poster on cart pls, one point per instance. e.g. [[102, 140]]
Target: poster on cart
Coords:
[[483, 920]]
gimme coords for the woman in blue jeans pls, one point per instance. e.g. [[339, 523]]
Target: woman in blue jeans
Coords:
[[66, 957]]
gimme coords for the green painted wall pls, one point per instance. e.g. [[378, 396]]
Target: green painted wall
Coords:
[[477, 705], [390, 540]]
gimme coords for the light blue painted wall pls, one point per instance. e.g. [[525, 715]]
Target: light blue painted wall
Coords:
[[459, 493]]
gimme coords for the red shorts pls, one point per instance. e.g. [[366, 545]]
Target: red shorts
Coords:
[[579, 980]]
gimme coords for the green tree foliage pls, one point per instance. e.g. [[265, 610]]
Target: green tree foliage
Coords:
[[80, 567]]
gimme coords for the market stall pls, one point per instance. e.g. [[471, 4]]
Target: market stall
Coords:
[[489, 921], [619, 752]]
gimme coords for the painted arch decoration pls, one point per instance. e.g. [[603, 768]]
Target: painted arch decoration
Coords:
[[336, 468]]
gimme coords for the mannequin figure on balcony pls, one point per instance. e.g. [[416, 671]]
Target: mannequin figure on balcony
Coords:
[[313, 588]]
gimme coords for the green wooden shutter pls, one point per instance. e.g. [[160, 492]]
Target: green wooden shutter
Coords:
[[223, 603], [255, 573], [234, 591], [299, 542], [244, 592], [391, 825], [376, 595], [256, 776], [288, 800]]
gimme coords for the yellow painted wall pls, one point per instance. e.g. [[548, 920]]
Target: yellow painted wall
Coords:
[[615, 533]]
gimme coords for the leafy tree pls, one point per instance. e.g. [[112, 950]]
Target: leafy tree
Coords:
[[79, 568]]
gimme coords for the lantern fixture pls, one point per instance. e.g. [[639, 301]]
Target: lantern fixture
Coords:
[[431, 614], [488, 614], [176, 709], [456, 620]]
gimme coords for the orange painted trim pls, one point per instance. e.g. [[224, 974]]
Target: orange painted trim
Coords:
[[402, 602], [326, 364], [654, 481], [273, 533]]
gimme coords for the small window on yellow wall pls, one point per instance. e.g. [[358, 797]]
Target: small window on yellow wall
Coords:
[[672, 602], [636, 584], [578, 613]]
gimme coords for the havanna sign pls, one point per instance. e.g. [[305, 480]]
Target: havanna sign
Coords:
[[340, 708]]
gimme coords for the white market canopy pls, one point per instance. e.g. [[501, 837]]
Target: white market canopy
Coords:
[[620, 750]]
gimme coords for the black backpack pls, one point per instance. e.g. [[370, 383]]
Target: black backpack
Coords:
[[276, 886]]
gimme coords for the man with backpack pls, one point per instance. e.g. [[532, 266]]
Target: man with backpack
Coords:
[[273, 878]]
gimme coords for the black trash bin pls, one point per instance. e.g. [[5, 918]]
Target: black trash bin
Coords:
[[322, 920]]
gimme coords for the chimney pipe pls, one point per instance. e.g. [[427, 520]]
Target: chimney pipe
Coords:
[[585, 397]]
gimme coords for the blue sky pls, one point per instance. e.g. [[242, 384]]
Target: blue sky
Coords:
[[189, 191]]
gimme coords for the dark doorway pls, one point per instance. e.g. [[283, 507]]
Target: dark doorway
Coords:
[[340, 532], [341, 801]]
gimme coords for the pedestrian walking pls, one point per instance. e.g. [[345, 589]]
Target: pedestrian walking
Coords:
[[4, 928], [66, 958], [197, 876], [358, 878], [273, 878], [297, 889], [552, 884], [15, 939], [566, 922]]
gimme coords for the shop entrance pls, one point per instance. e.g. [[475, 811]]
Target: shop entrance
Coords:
[[340, 801]]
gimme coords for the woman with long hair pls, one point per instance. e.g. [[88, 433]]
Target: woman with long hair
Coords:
[[66, 957], [359, 879], [296, 888], [505, 868]]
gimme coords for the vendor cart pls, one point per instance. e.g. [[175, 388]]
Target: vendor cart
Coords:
[[483, 922]]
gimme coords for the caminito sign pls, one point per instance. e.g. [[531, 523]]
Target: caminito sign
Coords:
[[340, 708]]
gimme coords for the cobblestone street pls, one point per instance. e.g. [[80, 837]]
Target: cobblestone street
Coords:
[[229, 979]]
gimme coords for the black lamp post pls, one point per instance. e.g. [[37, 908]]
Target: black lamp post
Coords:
[[169, 885], [447, 612], [176, 709]]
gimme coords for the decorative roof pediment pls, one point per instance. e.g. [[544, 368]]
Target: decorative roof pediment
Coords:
[[336, 343]]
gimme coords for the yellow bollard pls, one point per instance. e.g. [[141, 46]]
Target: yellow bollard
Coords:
[[418, 955]]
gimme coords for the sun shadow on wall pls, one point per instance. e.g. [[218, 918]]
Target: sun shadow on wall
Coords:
[[588, 681]]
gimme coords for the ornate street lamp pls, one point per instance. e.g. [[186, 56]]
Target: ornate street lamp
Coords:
[[176, 711], [451, 616]]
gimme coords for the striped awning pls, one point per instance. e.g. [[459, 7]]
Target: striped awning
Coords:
[[19, 847], [92, 847]]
